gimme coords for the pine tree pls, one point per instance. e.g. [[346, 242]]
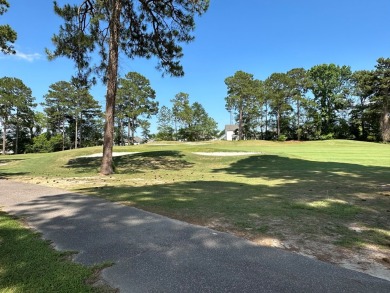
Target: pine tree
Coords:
[[142, 28]]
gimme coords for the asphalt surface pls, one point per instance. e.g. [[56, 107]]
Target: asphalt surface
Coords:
[[157, 254]]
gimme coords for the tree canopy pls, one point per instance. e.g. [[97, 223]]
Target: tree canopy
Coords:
[[16, 103], [243, 91], [330, 85], [66, 106], [185, 121], [135, 98], [7, 34], [326, 101], [165, 127], [278, 89], [381, 99]]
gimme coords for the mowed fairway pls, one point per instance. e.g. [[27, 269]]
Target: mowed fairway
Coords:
[[328, 199]]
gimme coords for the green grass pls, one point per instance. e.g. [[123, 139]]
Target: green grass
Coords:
[[29, 264], [310, 190]]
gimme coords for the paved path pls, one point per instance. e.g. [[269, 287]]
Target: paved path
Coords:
[[156, 254]]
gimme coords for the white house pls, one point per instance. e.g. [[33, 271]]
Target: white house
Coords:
[[230, 132]]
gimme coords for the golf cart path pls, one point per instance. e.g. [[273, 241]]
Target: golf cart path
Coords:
[[152, 253]]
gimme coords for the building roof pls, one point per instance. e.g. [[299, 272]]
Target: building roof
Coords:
[[231, 127]]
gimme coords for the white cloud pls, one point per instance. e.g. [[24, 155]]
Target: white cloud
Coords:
[[28, 57]]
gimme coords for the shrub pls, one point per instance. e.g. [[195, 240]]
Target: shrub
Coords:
[[282, 137], [43, 144], [327, 136]]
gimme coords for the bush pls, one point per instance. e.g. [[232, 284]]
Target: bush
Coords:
[[327, 136], [165, 134], [282, 137], [40, 144], [372, 138], [43, 144], [56, 143]]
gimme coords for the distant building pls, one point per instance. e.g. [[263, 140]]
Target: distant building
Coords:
[[230, 132], [137, 140]]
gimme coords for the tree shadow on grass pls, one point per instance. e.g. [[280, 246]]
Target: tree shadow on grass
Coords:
[[84, 164], [165, 160], [7, 158], [299, 177], [6, 172], [352, 193], [277, 167], [4, 162], [133, 163], [7, 175], [259, 209]]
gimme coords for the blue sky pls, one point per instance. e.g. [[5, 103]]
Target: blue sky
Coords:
[[257, 36]]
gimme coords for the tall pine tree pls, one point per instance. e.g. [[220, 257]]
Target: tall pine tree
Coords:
[[137, 28]]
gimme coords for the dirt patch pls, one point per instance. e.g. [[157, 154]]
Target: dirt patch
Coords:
[[370, 260]]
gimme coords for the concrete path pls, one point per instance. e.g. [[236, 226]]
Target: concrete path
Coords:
[[156, 254]]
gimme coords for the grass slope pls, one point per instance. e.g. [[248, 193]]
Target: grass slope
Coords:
[[333, 192]]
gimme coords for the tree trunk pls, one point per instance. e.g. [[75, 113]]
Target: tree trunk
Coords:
[[31, 129], [107, 167], [121, 138], [298, 120], [75, 131], [4, 135], [176, 129], [385, 121], [63, 134], [363, 135], [240, 124], [80, 127], [132, 124], [261, 127], [17, 138], [129, 137], [266, 121]]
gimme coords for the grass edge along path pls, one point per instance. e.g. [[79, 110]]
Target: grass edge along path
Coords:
[[30, 264]]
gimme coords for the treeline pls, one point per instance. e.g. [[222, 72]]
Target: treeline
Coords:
[[72, 118], [327, 101], [185, 121], [324, 102]]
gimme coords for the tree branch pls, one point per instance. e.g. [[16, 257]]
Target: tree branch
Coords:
[[87, 7]]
